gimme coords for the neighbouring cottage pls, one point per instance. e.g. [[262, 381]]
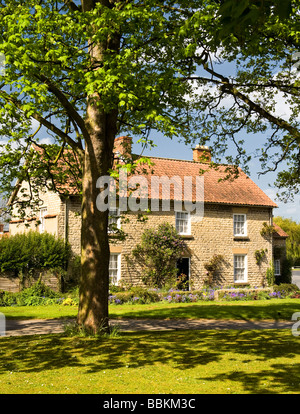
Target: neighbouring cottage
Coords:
[[3, 232], [237, 222]]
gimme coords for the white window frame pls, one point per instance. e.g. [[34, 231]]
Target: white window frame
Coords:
[[244, 229], [188, 215], [277, 270], [115, 219], [43, 213], [114, 279], [245, 276]]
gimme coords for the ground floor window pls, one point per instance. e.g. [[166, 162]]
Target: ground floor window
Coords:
[[240, 268], [114, 268], [277, 267]]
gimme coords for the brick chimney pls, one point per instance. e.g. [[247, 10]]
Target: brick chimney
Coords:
[[202, 153], [122, 147]]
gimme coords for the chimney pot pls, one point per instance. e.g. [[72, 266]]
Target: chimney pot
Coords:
[[202, 153], [122, 146]]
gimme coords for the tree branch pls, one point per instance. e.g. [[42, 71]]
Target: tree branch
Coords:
[[44, 122], [232, 90], [72, 6], [73, 114]]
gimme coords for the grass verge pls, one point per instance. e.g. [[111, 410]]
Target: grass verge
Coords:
[[273, 309], [202, 362]]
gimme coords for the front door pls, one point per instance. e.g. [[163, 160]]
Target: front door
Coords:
[[183, 273]]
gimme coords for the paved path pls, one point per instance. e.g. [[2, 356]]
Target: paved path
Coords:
[[16, 327]]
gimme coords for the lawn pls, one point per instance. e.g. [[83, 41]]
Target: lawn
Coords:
[[250, 310], [171, 362], [182, 362]]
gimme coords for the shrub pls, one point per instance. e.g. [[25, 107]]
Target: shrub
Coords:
[[286, 289], [135, 295], [157, 253], [212, 268], [270, 275], [7, 299], [37, 294], [27, 251], [69, 302], [286, 271]]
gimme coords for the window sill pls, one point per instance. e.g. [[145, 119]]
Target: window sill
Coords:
[[241, 238], [186, 236], [238, 284]]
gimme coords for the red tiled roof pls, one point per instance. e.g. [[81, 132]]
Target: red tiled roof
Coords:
[[278, 233], [238, 191], [235, 191]]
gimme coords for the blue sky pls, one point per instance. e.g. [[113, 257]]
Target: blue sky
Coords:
[[173, 149]]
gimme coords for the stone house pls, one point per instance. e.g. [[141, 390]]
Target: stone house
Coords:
[[3, 232], [233, 222]]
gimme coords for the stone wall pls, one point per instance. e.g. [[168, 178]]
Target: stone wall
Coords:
[[213, 235], [10, 283]]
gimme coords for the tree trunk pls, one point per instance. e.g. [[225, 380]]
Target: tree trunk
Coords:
[[94, 284], [102, 128]]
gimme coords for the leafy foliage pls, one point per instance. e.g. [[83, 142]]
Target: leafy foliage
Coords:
[[260, 255], [157, 253], [286, 289], [32, 250], [213, 267], [270, 274], [293, 241], [51, 72], [37, 294]]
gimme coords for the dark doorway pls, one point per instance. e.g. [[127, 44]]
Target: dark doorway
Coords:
[[183, 273]]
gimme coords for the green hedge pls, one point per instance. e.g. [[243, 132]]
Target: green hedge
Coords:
[[33, 250]]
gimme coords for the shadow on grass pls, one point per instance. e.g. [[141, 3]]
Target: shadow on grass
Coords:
[[274, 309], [280, 378], [179, 350], [222, 310]]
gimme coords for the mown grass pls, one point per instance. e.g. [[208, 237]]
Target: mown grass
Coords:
[[196, 362], [274, 309]]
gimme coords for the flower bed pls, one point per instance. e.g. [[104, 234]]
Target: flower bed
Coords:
[[39, 294], [141, 295]]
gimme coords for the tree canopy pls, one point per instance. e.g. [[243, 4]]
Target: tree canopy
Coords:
[[83, 72], [292, 228], [260, 42]]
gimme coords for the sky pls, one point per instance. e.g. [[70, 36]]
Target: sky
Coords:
[[168, 148]]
